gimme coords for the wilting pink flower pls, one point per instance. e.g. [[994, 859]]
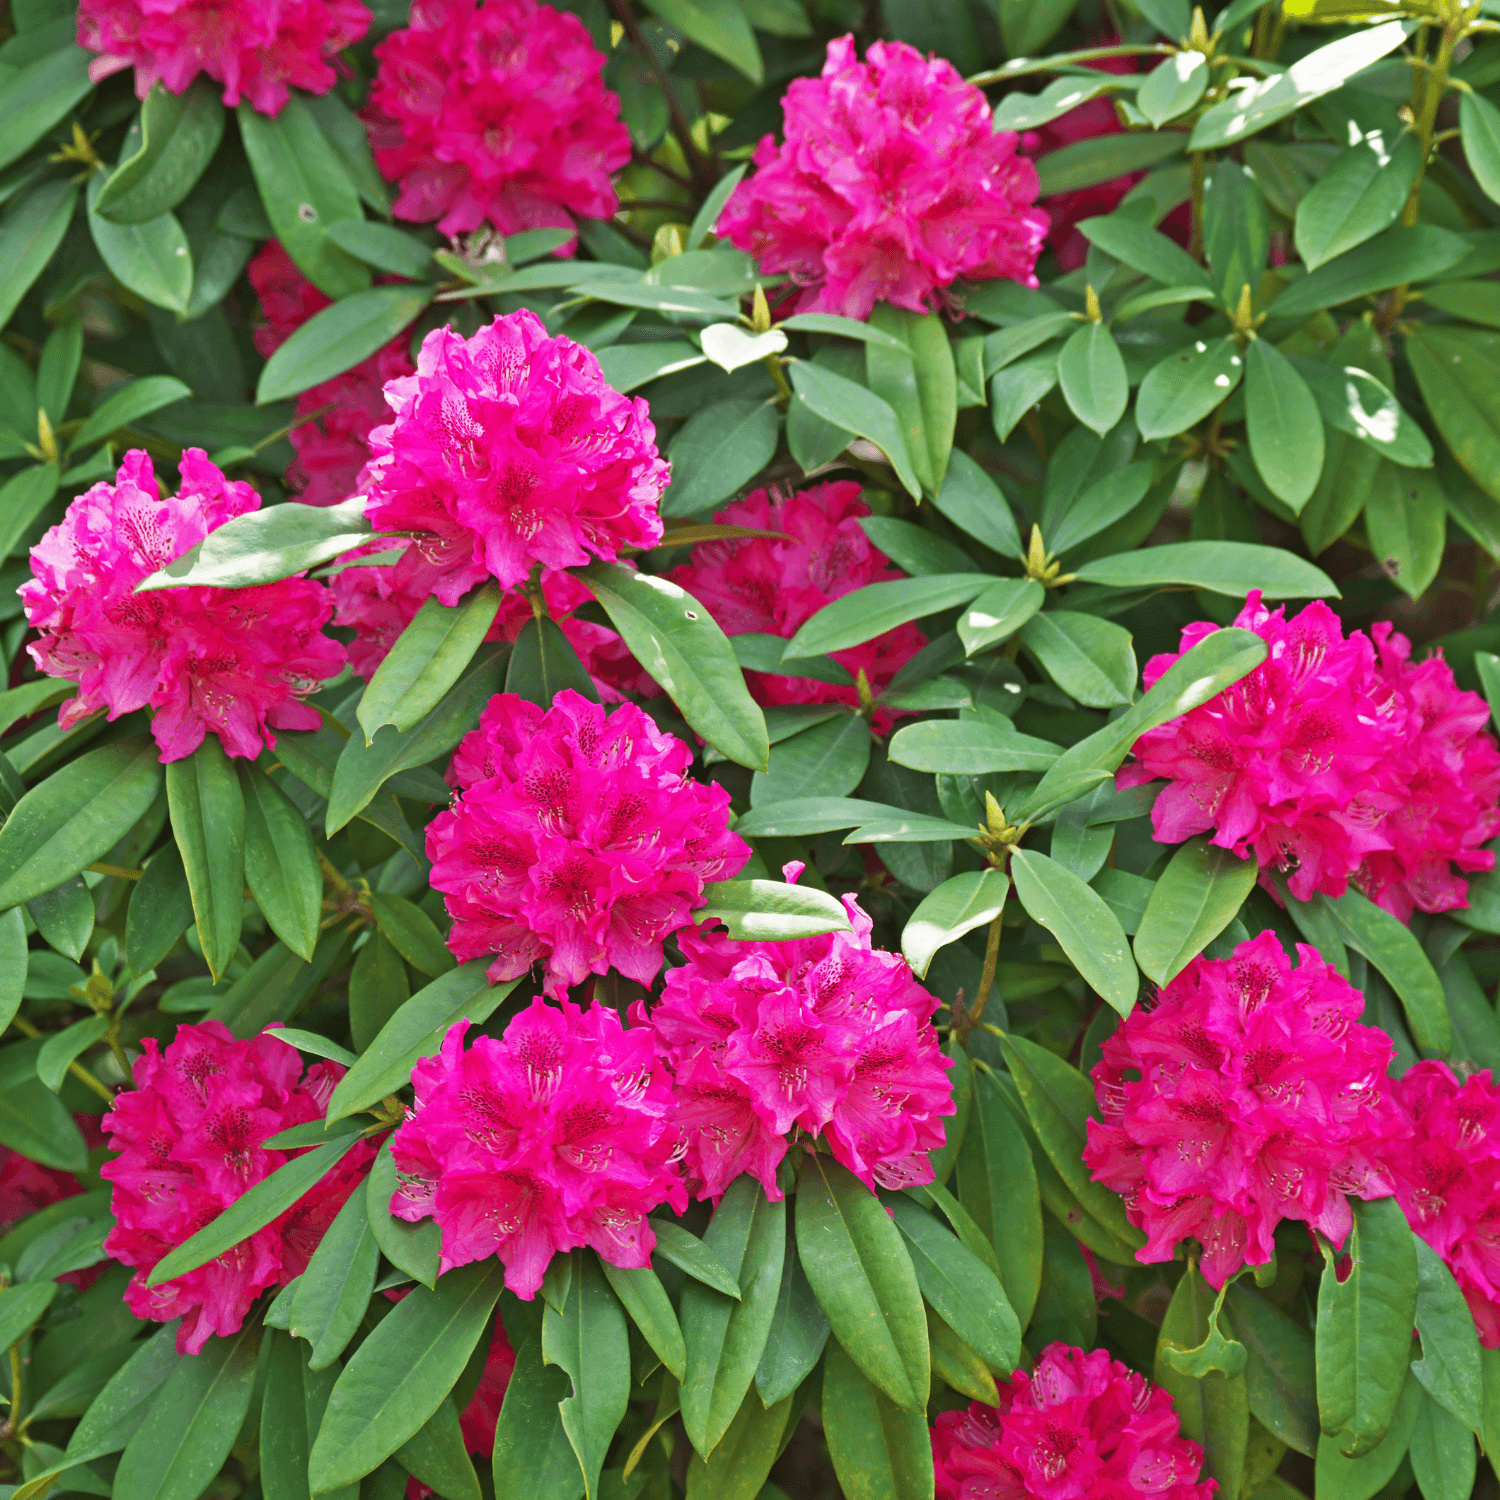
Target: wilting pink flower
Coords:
[[1334, 759], [260, 50], [1448, 1179], [190, 1137], [496, 112], [892, 184], [1079, 1427], [825, 1035], [578, 841], [553, 1137], [1249, 1093], [234, 662], [510, 449], [334, 447], [379, 601], [773, 587]]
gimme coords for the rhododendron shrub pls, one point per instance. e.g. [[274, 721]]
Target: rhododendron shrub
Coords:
[[1079, 1424], [190, 1139], [556, 1135], [577, 841], [493, 111], [1248, 1093], [891, 184], [237, 663]]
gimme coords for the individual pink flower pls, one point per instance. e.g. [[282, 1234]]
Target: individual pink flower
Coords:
[[260, 50], [577, 841], [1079, 1427], [1447, 1179], [190, 1137], [379, 601], [555, 1136], [892, 183], [823, 1035], [510, 449], [496, 112], [333, 447], [1249, 1093], [773, 587], [232, 662]]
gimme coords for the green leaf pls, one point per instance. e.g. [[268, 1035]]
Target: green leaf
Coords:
[[1285, 427], [771, 911], [1442, 1454], [339, 337], [1018, 111], [1000, 611], [62, 1048], [1237, 230], [284, 1417], [319, 1046], [1088, 658], [1101, 503], [533, 1459], [412, 932], [799, 1333], [1195, 898], [719, 450], [720, 27], [119, 1409], [969, 747], [878, 1447], [973, 502], [1232, 568], [429, 656], [150, 259], [741, 1464], [304, 188], [1091, 371], [629, 366], [281, 862], [414, 1032], [858, 1266], [21, 1307], [22, 499], [1479, 123], [384, 247], [267, 545], [378, 987], [852, 328], [997, 1179], [1361, 1478], [1146, 250], [13, 964], [642, 1295], [1364, 192], [435, 1456], [127, 405], [34, 99], [919, 384], [253, 1210], [1364, 1327], [30, 232], [76, 816], [1088, 162], [334, 1290], [1173, 86], [857, 409], [871, 611], [1354, 401], [399, 1376], [1390, 946], [1406, 521], [726, 1339], [175, 139], [1450, 1368], [1398, 255], [413, 1248], [799, 815], [678, 642], [959, 905], [1180, 391], [207, 806], [913, 549], [1280, 1372], [543, 664], [64, 917]]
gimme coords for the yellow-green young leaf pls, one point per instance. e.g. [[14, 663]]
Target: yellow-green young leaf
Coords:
[[919, 384], [878, 1448], [1284, 424], [1193, 901], [1180, 391], [1406, 519], [208, 820], [1091, 371], [166, 150], [1479, 121]]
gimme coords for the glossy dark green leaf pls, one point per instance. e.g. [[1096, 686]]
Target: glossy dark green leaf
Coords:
[[284, 1439], [533, 1458], [1280, 1369], [1195, 898], [1097, 159], [969, 747], [1091, 371], [959, 905], [1186, 386], [1364, 1327], [1354, 401], [76, 816], [644, 1298], [719, 450], [832, 754], [334, 1290], [678, 642], [739, 1467], [857, 409], [385, 247], [435, 1456], [1284, 423], [151, 259], [1345, 1478], [914, 549], [118, 1410], [33, 1120], [161, 910], [1405, 519], [543, 664], [64, 917], [1232, 568], [64, 1047], [413, 1248], [1398, 255], [30, 232], [1100, 505], [999, 612], [1450, 1368], [169, 147], [281, 862], [799, 1332], [918, 383], [128, 404], [412, 933], [378, 987], [1146, 250], [687, 1252], [879, 1449], [14, 961], [208, 821]]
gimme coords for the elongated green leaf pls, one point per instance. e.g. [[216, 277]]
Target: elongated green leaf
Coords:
[[76, 816], [543, 664], [151, 259], [208, 819], [677, 641], [1173, 86], [1363, 193], [413, 1248], [1084, 163], [1443, 1457], [771, 910], [1182, 390], [533, 1457], [688, 1253], [997, 1181], [1406, 523], [878, 1448], [1479, 121], [857, 409], [33, 100], [1088, 658], [859, 1268], [174, 140], [1354, 401], [799, 1332], [1363, 1477], [919, 384], [1091, 371], [33, 1120], [22, 498], [31, 231], [64, 1047], [412, 933], [119, 1409], [1018, 111], [1194, 900], [862, 615], [719, 450], [969, 748], [139, 398], [334, 1290], [20, 1308], [740, 1465], [1280, 1371], [284, 1441], [1398, 255], [642, 1295], [1285, 426], [1000, 611], [1232, 568], [1450, 1367], [281, 863], [435, 1456], [973, 899], [14, 961], [1100, 505]]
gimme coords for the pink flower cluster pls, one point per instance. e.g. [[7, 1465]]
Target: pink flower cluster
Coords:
[[190, 1140], [577, 840], [555, 1136], [1249, 1093], [27, 1187], [510, 449], [236, 662], [379, 601], [1447, 1179], [773, 587], [892, 184], [260, 50], [1334, 760], [825, 1035], [335, 447], [1079, 1427], [497, 112]]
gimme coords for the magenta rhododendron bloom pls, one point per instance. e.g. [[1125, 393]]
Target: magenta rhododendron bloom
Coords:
[[578, 841], [1448, 1179], [553, 1137], [1079, 1427], [496, 112], [1249, 1093], [1334, 759], [258, 49], [825, 1035], [892, 183], [333, 448], [509, 449], [232, 662], [772, 587], [190, 1140]]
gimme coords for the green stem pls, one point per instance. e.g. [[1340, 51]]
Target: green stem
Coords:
[[1200, 171], [986, 980], [78, 1070]]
